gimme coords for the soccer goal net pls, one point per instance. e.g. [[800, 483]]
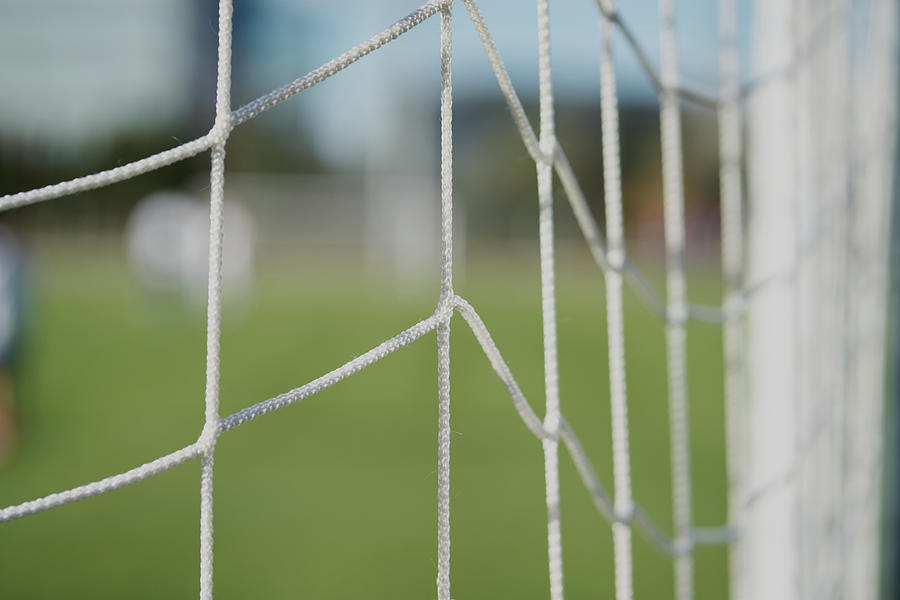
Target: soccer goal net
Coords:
[[807, 121]]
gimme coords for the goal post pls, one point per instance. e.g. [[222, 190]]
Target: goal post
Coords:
[[820, 167], [767, 569]]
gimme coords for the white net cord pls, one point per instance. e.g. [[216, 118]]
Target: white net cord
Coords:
[[547, 144], [445, 308], [676, 299], [615, 235]]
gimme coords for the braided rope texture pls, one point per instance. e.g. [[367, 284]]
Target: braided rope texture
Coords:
[[554, 428], [611, 257]]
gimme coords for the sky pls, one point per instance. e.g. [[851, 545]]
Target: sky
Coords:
[[75, 71], [327, 28], [379, 95], [61, 81]]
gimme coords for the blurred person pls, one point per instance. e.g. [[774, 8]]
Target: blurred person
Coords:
[[12, 296], [167, 239]]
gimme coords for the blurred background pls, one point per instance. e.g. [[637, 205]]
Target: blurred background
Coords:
[[331, 247]]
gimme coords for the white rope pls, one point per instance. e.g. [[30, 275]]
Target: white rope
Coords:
[[446, 155], [206, 524], [547, 144], [608, 11], [402, 339], [213, 333], [241, 115], [597, 247], [211, 428], [615, 234], [107, 484], [254, 108], [215, 139], [108, 177], [248, 111], [574, 195], [503, 80], [624, 514], [676, 294], [483, 336], [445, 307], [241, 417], [530, 419], [583, 464], [636, 517]]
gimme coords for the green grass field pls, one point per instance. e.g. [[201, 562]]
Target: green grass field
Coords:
[[335, 497]]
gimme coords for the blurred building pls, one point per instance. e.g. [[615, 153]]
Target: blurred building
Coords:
[[88, 84], [76, 74]]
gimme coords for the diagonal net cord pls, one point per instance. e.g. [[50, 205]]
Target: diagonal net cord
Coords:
[[102, 486], [233, 421], [196, 146], [354, 366], [330, 68], [636, 516], [576, 198], [615, 234], [418, 16], [239, 116], [676, 293], [611, 15], [639, 518]]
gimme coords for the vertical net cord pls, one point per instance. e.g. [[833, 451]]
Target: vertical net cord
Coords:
[[615, 239], [211, 428], [445, 308], [730, 155], [547, 145], [676, 297]]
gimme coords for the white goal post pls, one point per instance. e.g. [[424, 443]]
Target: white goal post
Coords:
[[808, 152], [820, 165]]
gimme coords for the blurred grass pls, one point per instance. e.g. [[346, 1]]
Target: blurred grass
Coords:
[[335, 497]]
